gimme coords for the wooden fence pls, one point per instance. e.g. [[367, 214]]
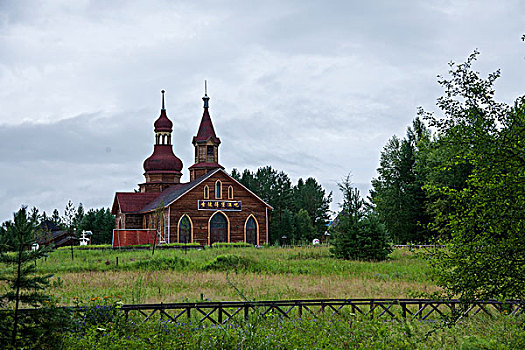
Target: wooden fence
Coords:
[[391, 309]]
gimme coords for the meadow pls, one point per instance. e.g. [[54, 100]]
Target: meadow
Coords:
[[259, 273], [93, 280]]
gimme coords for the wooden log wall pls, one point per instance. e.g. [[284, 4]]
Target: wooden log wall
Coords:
[[188, 204]]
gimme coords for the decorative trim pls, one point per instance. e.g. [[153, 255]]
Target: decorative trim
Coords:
[[209, 225], [256, 225], [191, 227]]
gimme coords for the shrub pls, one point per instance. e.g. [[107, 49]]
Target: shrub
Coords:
[[173, 263], [230, 262]]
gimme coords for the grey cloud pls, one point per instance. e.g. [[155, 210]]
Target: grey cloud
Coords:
[[312, 88]]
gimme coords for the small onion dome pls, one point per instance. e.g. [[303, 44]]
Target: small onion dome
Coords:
[[163, 123], [163, 160]]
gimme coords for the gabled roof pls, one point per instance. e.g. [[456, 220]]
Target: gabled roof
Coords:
[[173, 193], [131, 202]]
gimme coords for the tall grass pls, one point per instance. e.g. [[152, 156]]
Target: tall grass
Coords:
[[258, 273], [274, 332]]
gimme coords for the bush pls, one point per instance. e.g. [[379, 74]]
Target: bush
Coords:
[[230, 262], [174, 263]]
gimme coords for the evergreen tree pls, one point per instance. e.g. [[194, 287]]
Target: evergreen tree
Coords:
[[25, 288], [310, 196], [304, 230], [275, 188], [397, 192], [358, 233], [55, 218], [101, 223]]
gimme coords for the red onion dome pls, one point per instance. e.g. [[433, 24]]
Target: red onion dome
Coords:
[[163, 123], [163, 160]]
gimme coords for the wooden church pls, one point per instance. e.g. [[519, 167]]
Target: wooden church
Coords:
[[212, 207]]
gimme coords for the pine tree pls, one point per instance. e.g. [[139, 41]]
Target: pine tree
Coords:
[[357, 233], [25, 288]]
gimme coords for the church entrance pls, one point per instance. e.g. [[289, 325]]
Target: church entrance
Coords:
[[251, 231], [218, 228]]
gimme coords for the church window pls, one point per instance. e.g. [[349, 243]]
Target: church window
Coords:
[[218, 190], [230, 192], [206, 192], [185, 229], [210, 154], [251, 230], [202, 154]]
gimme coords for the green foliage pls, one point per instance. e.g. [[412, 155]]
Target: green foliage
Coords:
[[485, 257], [310, 196], [101, 223], [304, 230], [397, 192], [96, 313], [230, 262], [273, 332], [20, 328], [358, 234], [276, 189], [157, 264]]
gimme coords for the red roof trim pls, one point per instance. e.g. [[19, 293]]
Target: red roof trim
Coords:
[[206, 165]]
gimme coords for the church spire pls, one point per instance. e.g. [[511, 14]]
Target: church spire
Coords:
[[206, 99], [206, 143], [163, 168]]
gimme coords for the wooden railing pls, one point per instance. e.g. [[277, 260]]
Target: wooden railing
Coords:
[[394, 309]]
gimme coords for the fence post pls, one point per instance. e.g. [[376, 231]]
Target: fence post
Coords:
[[220, 314], [246, 311], [404, 308], [300, 310]]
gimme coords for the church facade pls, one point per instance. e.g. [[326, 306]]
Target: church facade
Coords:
[[212, 207]]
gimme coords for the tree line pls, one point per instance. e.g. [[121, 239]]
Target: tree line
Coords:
[[73, 219], [462, 185], [301, 212]]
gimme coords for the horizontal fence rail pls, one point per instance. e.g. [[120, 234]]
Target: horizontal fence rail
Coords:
[[392, 309]]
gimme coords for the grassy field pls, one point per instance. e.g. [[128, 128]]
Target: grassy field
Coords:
[[256, 274], [261, 274]]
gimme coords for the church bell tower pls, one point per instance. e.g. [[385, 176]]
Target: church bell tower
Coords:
[[206, 144], [162, 169]]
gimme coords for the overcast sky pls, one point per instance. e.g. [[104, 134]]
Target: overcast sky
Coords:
[[313, 88]]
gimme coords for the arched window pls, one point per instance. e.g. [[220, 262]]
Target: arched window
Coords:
[[218, 189], [206, 192], [218, 228], [230, 192], [251, 230], [185, 229]]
